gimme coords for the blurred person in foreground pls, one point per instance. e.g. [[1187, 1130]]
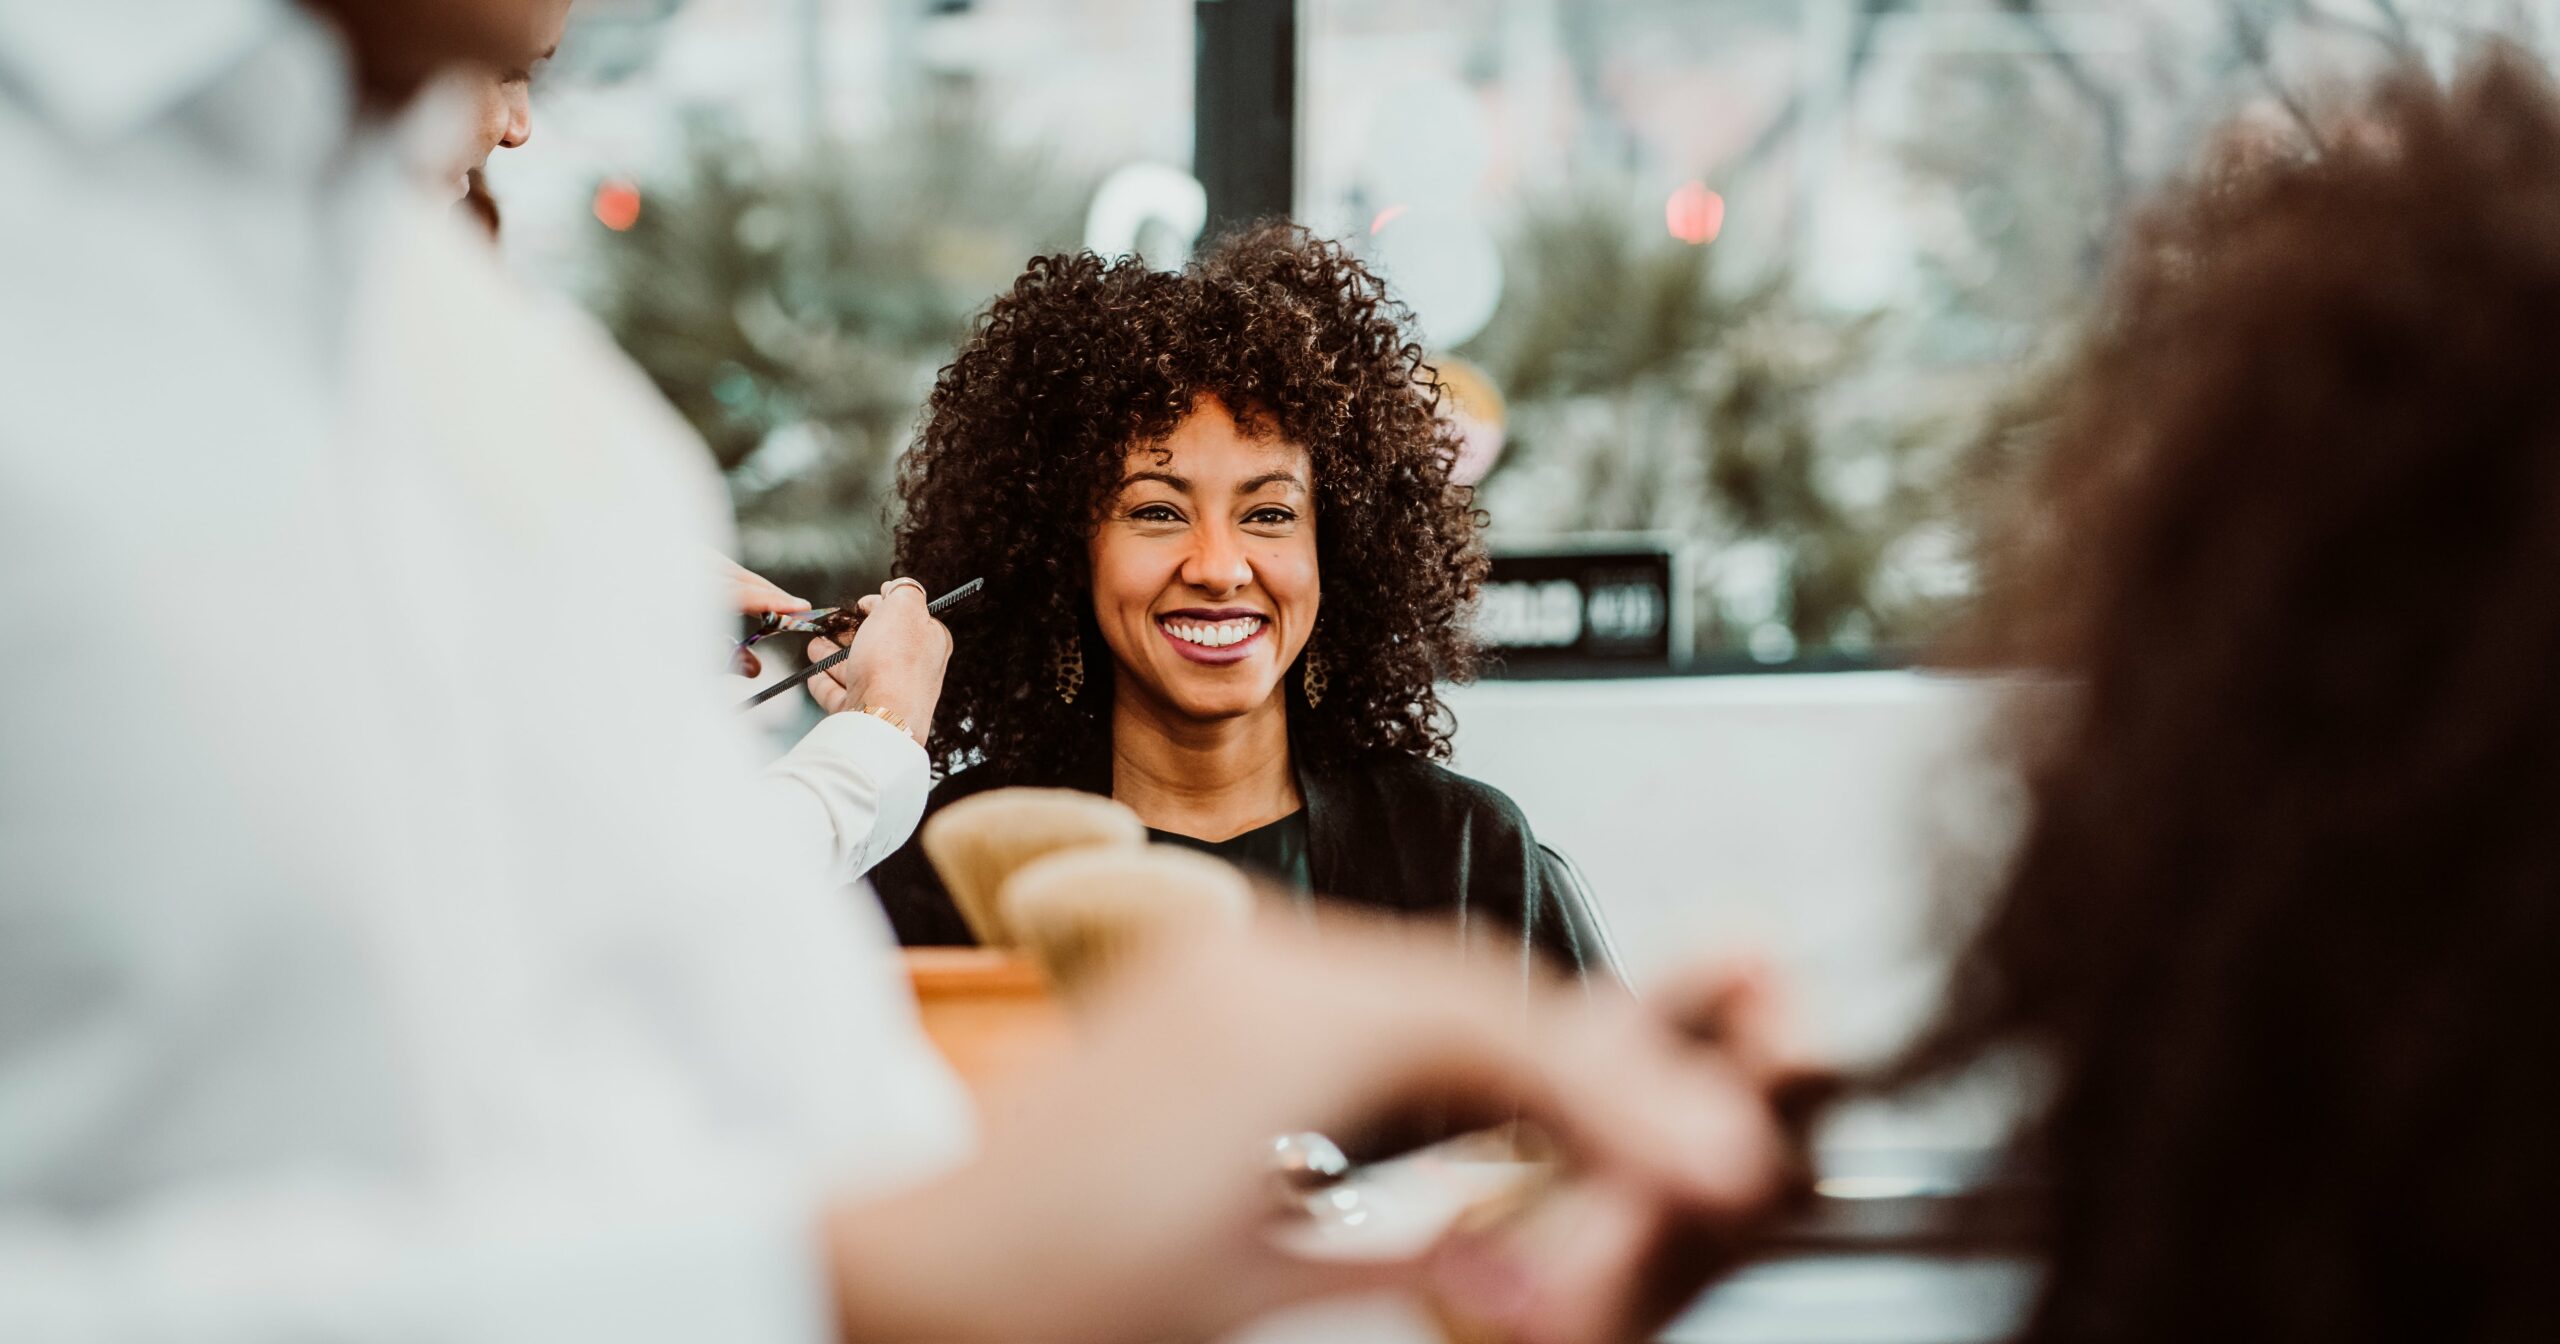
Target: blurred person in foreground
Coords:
[[357, 982], [853, 786], [495, 96], [2281, 928]]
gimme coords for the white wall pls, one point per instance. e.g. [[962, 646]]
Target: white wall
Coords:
[[1793, 816]]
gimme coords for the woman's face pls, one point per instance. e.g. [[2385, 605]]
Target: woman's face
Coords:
[[501, 113], [1204, 567], [501, 92]]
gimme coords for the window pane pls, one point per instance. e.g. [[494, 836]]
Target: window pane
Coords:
[[789, 209], [1780, 280]]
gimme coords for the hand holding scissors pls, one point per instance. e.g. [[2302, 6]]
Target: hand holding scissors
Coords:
[[893, 665]]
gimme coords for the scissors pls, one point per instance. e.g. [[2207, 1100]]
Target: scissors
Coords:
[[787, 623], [784, 623], [742, 663]]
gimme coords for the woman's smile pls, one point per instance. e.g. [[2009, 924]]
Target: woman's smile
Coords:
[[1216, 638]]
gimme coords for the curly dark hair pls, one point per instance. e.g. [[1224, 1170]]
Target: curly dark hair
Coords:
[[2286, 910], [1027, 432]]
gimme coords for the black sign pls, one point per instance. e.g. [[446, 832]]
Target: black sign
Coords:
[[1605, 606]]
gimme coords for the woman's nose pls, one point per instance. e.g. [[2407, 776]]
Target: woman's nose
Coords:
[[519, 121], [1217, 563]]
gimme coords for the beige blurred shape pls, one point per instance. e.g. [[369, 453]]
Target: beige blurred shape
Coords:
[[1085, 911], [977, 843]]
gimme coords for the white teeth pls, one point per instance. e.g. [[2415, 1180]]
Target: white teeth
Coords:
[[1215, 634]]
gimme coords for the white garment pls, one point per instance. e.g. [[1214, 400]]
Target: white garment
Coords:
[[852, 790], [358, 979]]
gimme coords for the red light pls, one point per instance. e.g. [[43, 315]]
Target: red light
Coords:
[[1694, 214], [618, 205], [1386, 217]]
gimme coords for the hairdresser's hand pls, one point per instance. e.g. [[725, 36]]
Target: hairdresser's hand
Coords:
[[1602, 1259], [755, 595], [899, 653], [1125, 1196]]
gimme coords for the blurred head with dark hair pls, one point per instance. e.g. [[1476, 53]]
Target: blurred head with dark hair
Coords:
[[487, 49], [397, 46], [2286, 911]]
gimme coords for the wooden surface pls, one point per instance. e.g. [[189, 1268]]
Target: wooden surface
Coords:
[[989, 1012]]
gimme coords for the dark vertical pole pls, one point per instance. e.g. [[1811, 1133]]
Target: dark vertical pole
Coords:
[[1245, 109]]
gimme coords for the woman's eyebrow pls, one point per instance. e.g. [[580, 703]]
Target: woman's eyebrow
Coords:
[[1160, 477], [1270, 478]]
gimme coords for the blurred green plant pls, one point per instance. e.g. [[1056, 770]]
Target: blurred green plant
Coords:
[[795, 309], [1650, 393]]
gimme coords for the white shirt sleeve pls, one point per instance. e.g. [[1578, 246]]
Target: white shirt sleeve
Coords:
[[853, 790]]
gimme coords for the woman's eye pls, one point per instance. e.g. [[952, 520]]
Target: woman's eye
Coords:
[[1271, 517], [1154, 513]]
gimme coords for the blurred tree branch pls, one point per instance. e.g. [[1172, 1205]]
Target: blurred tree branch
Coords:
[[795, 307], [2102, 102]]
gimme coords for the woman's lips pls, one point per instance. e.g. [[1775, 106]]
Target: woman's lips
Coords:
[[1187, 637]]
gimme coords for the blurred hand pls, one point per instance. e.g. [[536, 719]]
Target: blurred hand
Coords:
[[755, 595], [1125, 1196], [1602, 1260], [899, 653]]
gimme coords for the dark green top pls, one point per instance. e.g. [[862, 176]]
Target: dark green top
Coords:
[[1278, 851]]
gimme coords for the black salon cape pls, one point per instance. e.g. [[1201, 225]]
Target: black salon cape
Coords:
[[1392, 833]]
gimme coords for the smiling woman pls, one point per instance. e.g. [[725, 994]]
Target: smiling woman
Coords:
[[1226, 569]]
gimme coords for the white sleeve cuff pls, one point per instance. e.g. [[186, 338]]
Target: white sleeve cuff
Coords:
[[856, 786]]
